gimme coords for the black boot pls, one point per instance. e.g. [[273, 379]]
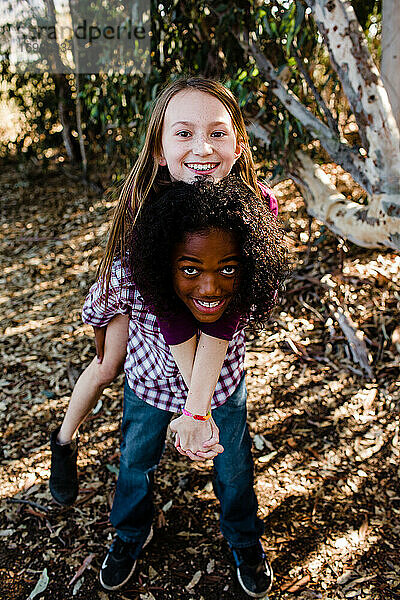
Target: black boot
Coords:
[[63, 476]]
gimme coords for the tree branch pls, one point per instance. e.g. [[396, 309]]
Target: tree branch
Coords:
[[390, 54], [78, 107], [260, 132], [332, 123], [362, 84], [339, 151], [317, 129], [367, 226]]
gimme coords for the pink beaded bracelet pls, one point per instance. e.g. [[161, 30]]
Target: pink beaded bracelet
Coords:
[[197, 417]]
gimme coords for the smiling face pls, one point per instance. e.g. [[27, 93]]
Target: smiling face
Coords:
[[198, 137], [205, 270]]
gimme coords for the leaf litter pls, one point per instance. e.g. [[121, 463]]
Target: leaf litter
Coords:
[[323, 413]]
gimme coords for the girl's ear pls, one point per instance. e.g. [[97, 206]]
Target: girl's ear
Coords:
[[161, 161], [238, 150]]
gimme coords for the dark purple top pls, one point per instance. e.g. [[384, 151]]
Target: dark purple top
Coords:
[[181, 326]]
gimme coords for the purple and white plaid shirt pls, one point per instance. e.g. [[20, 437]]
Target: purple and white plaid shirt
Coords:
[[150, 368]]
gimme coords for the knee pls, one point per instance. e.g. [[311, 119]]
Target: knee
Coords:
[[105, 373]]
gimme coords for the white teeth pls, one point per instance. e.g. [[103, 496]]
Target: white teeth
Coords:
[[201, 167], [208, 304]]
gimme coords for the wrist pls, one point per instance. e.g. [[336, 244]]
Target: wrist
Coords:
[[198, 400], [196, 417]]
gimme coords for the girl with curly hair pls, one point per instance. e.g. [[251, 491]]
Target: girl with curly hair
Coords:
[[216, 253], [196, 130]]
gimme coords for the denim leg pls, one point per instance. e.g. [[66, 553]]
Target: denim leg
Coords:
[[233, 473], [144, 428]]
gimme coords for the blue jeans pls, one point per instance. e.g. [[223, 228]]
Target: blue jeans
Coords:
[[144, 428]]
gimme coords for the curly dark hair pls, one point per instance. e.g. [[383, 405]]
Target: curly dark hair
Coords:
[[230, 205]]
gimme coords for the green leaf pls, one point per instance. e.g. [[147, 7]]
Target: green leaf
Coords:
[[273, 28], [300, 12], [154, 91], [94, 113], [287, 22], [41, 585], [242, 97], [113, 469]]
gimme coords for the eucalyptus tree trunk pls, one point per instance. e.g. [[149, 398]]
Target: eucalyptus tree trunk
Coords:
[[375, 165], [78, 106], [390, 60], [61, 85]]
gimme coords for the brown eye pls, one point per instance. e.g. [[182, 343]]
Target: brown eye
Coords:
[[190, 270], [229, 270]]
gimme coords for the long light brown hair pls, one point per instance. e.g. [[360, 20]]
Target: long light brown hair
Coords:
[[147, 176]]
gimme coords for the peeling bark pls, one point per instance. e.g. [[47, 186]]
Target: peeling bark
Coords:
[[390, 62], [378, 224], [364, 89], [367, 226], [338, 150]]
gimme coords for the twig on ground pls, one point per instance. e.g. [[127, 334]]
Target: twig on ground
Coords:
[[34, 504]]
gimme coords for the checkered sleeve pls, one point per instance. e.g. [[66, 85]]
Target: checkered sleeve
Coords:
[[98, 309]]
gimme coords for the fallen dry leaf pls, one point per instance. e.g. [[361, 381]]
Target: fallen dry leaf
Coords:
[[82, 568], [362, 532], [194, 581], [295, 586], [313, 495]]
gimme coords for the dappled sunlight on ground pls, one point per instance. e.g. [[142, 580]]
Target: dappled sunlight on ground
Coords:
[[326, 437]]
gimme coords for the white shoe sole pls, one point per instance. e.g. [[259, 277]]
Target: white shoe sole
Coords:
[[117, 587]]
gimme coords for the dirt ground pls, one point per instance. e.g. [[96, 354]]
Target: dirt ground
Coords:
[[324, 397]]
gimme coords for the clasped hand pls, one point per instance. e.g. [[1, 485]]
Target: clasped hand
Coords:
[[199, 440]]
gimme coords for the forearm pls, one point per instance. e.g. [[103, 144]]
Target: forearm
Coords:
[[179, 332], [199, 439], [184, 356], [207, 365]]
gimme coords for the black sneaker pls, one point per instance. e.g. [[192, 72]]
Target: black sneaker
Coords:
[[253, 570], [63, 476], [120, 562]]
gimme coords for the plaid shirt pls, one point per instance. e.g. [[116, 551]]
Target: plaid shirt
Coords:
[[150, 368]]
